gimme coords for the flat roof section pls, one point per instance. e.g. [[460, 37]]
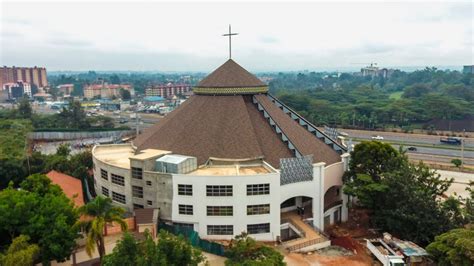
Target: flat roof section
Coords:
[[116, 154], [228, 170]]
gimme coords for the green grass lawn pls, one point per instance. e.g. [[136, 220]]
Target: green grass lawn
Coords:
[[396, 95]]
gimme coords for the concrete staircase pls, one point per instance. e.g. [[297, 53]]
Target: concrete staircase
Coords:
[[310, 240]]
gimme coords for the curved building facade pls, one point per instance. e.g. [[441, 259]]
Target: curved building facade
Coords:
[[232, 158]]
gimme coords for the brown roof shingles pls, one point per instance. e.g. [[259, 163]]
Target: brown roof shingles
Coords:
[[230, 75], [206, 126], [231, 126], [305, 142]]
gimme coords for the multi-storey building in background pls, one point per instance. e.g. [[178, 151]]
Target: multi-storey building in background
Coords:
[[468, 69], [65, 89], [106, 90], [374, 71], [167, 90], [15, 90], [32, 75]]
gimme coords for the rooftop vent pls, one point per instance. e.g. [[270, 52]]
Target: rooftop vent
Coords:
[[176, 164]]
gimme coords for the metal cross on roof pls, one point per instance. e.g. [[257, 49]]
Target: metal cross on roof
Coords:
[[230, 34]]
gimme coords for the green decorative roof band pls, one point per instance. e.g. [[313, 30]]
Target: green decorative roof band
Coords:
[[230, 91]]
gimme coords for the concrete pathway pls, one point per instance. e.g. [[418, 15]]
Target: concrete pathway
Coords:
[[310, 233]]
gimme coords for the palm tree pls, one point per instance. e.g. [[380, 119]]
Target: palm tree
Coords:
[[95, 215]]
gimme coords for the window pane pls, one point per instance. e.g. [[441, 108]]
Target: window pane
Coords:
[[137, 173], [117, 179], [105, 191], [118, 197], [258, 209], [218, 191], [185, 209], [220, 229], [185, 190], [258, 189], [103, 174], [137, 192], [258, 228], [220, 211]]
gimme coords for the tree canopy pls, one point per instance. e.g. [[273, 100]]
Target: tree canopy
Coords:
[[168, 250], [405, 199], [100, 211], [349, 100], [41, 211], [244, 250], [20, 253], [455, 247]]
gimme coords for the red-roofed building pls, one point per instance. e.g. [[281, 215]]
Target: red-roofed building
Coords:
[[71, 186]]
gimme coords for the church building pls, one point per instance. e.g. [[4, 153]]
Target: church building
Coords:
[[231, 158]]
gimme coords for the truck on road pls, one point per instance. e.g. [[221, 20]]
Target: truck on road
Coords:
[[450, 140]]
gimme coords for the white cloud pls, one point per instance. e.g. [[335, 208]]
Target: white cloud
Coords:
[[273, 36]]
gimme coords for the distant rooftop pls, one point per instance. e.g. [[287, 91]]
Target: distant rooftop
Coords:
[[71, 186]]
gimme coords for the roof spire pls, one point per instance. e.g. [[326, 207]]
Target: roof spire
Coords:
[[230, 34]]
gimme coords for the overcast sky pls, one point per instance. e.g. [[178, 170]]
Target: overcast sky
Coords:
[[272, 36]]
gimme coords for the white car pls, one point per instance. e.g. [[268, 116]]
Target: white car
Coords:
[[377, 137]]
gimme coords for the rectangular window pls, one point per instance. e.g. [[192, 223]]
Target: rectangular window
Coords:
[[118, 197], [137, 173], [258, 228], [220, 211], [137, 206], [186, 209], [137, 192], [118, 179], [148, 183], [149, 202], [218, 191], [258, 189], [220, 229], [105, 191], [185, 190], [258, 209], [184, 226], [103, 174]]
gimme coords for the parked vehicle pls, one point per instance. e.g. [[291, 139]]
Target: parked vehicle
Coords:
[[377, 137], [450, 140], [384, 253], [391, 251]]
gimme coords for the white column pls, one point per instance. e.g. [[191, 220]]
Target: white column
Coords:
[[345, 159], [318, 199], [345, 199]]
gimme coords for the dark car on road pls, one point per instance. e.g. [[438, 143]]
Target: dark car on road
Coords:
[[412, 149]]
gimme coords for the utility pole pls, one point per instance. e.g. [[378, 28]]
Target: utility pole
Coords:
[[462, 149], [136, 123]]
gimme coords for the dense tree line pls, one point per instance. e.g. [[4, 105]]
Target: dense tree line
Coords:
[[355, 101], [405, 199]]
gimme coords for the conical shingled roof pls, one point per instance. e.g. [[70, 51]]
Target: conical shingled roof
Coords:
[[223, 120], [230, 75]]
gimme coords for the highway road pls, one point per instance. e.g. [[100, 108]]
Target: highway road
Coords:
[[406, 138], [428, 148]]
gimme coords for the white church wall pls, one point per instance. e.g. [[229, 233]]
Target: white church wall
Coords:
[[239, 200]]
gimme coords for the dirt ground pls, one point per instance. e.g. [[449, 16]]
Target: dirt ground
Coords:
[[350, 236]]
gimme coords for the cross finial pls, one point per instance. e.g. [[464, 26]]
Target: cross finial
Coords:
[[230, 34]]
